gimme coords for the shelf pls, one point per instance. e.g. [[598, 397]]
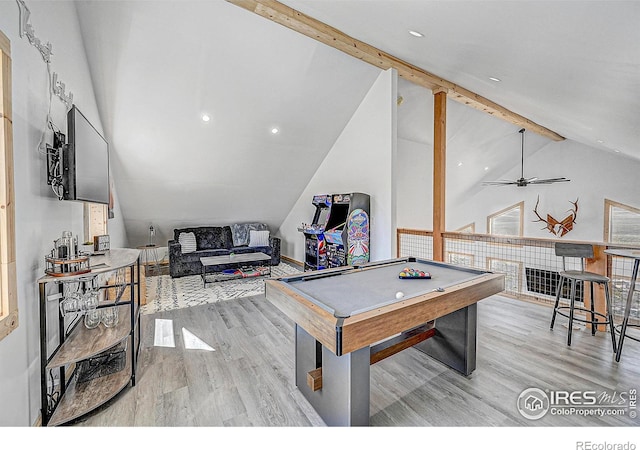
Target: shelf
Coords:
[[256, 272], [73, 399], [83, 343], [82, 398]]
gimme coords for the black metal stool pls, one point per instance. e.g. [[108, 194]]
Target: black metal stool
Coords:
[[581, 251]]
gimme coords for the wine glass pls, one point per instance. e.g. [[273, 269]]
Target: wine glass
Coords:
[[92, 318], [71, 303], [110, 316], [90, 300]]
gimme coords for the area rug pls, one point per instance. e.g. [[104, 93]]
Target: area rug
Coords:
[[165, 293]]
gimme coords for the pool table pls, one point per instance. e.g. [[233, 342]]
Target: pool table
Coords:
[[348, 318]]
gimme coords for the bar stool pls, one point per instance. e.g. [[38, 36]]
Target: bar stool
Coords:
[[622, 328], [581, 252]]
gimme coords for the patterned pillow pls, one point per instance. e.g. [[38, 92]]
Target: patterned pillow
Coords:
[[258, 238], [187, 242], [240, 232]]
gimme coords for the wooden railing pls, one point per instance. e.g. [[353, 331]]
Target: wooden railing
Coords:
[[530, 264]]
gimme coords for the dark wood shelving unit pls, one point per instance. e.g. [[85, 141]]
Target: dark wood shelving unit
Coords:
[[82, 398], [69, 399]]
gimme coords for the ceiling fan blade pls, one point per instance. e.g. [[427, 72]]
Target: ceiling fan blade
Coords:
[[550, 180], [498, 183]]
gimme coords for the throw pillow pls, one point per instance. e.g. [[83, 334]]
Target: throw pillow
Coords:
[[187, 242], [240, 232], [258, 238]]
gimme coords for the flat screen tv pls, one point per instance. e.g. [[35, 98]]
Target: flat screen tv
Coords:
[[85, 161]]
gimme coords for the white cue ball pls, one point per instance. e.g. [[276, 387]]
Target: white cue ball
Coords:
[[399, 294]]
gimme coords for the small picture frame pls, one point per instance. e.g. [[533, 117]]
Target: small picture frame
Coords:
[[101, 243]]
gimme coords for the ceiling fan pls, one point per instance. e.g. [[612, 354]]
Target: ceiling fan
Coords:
[[522, 181]]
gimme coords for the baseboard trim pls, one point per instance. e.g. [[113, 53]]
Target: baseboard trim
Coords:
[[291, 260]]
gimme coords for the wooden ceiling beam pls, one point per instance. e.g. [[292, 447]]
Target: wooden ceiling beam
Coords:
[[297, 21]]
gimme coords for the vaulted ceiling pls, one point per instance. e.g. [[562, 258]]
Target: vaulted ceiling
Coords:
[[572, 67]]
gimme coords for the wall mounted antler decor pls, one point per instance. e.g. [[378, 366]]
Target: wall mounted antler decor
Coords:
[[559, 228]]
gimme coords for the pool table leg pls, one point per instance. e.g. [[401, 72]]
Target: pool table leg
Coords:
[[343, 399], [454, 343]]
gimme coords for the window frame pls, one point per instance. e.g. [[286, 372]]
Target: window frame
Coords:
[[469, 257], [471, 227], [520, 207], [8, 278], [608, 204], [512, 262]]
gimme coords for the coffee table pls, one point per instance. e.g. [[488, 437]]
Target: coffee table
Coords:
[[235, 258]]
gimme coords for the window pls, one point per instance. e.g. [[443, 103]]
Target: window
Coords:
[[471, 228], [507, 222], [8, 286], [95, 220], [460, 259], [621, 223], [512, 271]]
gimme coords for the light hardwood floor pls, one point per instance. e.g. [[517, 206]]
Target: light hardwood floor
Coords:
[[249, 379]]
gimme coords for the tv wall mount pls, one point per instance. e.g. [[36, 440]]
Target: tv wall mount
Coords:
[[54, 164]]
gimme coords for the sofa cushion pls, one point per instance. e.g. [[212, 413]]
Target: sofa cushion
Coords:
[[194, 257], [212, 238], [258, 238], [177, 231], [243, 249], [187, 242], [240, 232], [208, 237]]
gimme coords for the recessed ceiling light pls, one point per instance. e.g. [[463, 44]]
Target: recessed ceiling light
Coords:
[[600, 141], [459, 163], [206, 118], [497, 80], [275, 131], [616, 150], [415, 33], [486, 168]]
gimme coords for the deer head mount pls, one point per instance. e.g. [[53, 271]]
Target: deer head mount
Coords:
[[562, 227]]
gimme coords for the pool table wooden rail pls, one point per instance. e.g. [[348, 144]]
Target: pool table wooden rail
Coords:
[[317, 321], [342, 336]]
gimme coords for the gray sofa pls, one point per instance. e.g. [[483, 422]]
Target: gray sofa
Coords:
[[216, 241]]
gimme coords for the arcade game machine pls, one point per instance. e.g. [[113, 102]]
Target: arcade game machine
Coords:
[[315, 250], [347, 230]]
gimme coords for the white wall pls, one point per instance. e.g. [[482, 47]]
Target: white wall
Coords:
[[40, 216], [361, 160], [595, 176], [415, 185]]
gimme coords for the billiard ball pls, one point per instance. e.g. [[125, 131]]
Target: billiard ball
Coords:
[[399, 294]]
